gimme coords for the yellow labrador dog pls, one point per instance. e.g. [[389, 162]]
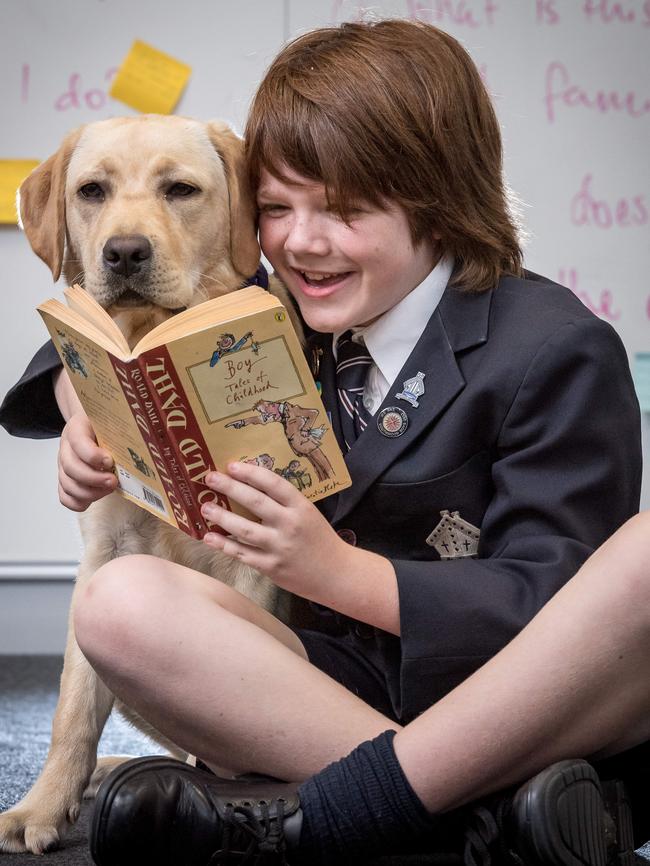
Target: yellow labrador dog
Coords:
[[151, 215]]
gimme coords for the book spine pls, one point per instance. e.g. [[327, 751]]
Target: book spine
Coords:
[[146, 412], [193, 458]]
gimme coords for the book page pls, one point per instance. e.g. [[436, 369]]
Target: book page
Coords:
[[206, 315], [55, 313], [79, 300]]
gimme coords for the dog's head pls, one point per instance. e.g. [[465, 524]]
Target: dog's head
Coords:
[[149, 212]]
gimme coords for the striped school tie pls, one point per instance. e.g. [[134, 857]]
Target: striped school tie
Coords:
[[353, 361]]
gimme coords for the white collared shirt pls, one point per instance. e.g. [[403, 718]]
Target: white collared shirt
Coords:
[[391, 338]]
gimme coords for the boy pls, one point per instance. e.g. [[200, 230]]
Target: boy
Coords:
[[376, 158]]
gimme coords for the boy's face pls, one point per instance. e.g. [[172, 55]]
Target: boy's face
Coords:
[[341, 275]]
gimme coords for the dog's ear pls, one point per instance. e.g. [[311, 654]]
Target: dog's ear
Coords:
[[42, 205], [244, 248]]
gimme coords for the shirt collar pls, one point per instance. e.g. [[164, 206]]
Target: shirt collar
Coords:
[[391, 338]]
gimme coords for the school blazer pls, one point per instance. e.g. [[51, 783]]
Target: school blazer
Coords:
[[529, 427]]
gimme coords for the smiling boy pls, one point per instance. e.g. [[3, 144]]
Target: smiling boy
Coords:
[[376, 159]]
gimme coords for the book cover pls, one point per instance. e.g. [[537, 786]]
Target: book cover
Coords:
[[227, 381]]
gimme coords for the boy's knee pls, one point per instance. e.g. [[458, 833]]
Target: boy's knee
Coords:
[[636, 533], [634, 560], [114, 606]]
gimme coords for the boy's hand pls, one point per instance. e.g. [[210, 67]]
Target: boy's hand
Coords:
[[297, 548], [84, 475], [292, 544]]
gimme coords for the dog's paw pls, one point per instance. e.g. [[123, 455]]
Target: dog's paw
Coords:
[[104, 766], [21, 830]]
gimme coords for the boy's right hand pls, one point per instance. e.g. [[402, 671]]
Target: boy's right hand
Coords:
[[84, 467]]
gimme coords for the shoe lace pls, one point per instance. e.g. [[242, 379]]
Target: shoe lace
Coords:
[[485, 837], [251, 838]]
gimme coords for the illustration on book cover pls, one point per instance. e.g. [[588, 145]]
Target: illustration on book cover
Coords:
[[293, 472], [297, 423], [141, 464], [71, 356], [227, 344]]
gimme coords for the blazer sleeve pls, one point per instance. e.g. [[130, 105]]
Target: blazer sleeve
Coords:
[[29, 409], [566, 474]]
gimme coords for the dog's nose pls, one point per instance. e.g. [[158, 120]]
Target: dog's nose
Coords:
[[125, 254]]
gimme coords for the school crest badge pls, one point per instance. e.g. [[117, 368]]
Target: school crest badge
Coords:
[[453, 537]]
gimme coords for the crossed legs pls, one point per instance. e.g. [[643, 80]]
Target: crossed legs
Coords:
[[228, 682], [215, 673]]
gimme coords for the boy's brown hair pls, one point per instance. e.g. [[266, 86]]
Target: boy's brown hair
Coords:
[[392, 110]]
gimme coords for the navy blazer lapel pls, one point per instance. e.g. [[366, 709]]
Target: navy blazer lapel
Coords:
[[459, 322], [321, 358]]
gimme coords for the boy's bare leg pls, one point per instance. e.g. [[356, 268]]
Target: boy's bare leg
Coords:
[[233, 686], [219, 676], [573, 683]]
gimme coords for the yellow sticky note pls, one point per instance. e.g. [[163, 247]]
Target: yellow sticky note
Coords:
[[12, 173], [150, 80]]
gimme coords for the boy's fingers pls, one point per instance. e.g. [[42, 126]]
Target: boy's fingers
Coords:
[[79, 434], [77, 490], [79, 471], [245, 553], [78, 498], [70, 502], [245, 531], [273, 485], [257, 502]]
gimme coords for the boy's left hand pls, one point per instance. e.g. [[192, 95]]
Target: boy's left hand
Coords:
[[292, 543]]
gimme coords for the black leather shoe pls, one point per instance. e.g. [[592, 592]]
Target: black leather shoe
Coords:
[[564, 816], [161, 812]]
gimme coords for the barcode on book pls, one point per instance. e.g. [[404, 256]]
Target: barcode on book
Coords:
[[135, 488]]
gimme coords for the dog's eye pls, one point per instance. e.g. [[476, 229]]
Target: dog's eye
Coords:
[[92, 191], [180, 190]]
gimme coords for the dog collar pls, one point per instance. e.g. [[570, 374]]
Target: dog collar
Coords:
[[259, 278]]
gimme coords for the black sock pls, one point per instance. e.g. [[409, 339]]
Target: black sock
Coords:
[[360, 806]]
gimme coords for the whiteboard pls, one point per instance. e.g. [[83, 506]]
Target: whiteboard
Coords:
[[571, 86]]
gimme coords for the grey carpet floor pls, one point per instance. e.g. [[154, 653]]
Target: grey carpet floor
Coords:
[[28, 693]]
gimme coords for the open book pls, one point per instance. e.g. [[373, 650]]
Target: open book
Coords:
[[225, 380]]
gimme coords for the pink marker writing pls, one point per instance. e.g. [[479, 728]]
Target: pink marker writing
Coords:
[[559, 90], [24, 90], [76, 97], [546, 13], [613, 11], [588, 210], [462, 12]]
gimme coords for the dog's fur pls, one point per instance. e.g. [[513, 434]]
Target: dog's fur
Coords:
[[202, 245]]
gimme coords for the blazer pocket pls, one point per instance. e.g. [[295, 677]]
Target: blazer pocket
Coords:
[[414, 509]]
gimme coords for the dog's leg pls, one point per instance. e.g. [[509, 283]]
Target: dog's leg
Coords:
[[38, 822], [107, 763]]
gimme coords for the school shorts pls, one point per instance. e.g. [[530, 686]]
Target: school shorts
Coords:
[[352, 663]]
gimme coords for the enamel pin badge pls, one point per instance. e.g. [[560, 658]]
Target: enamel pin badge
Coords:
[[392, 422], [412, 389], [453, 537]]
